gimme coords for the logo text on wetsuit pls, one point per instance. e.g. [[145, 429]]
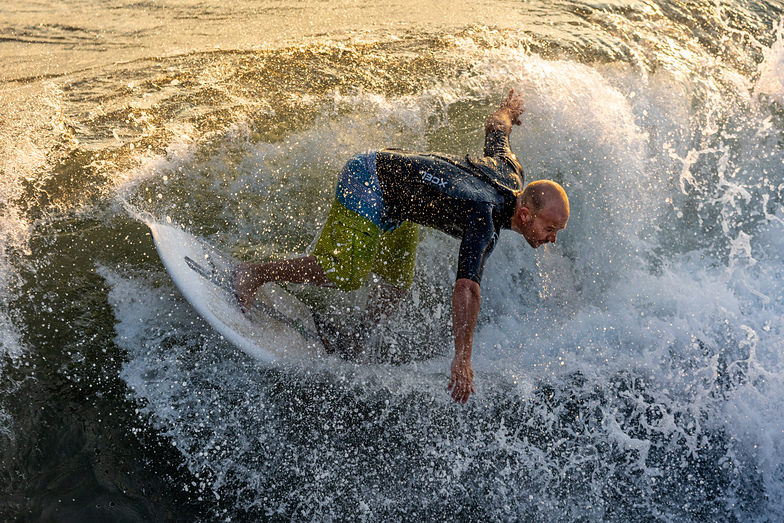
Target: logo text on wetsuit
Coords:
[[433, 180]]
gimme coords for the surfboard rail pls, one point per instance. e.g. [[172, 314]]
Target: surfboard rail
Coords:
[[278, 327]]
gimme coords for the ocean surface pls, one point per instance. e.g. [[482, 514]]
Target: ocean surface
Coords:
[[633, 372]]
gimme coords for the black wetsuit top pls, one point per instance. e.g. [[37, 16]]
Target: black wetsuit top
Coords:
[[470, 198]]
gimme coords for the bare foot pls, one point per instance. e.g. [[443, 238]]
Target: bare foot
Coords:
[[245, 285]]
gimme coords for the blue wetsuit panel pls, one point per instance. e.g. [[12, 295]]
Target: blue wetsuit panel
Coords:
[[359, 190]]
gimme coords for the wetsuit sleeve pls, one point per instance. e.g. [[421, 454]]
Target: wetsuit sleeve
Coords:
[[497, 146], [477, 244]]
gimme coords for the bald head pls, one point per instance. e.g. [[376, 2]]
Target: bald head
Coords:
[[542, 194], [542, 210]]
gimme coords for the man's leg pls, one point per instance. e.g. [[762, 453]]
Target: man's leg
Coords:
[[383, 298], [250, 276], [394, 265], [345, 250]]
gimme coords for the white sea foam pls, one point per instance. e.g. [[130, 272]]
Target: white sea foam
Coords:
[[771, 71], [651, 331]]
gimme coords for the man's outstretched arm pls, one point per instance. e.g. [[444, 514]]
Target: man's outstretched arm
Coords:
[[466, 300], [507, 115]]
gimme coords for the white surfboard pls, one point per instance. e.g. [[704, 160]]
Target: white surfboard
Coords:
[[278, 327]]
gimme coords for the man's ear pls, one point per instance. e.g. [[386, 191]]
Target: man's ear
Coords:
[[524, 213]]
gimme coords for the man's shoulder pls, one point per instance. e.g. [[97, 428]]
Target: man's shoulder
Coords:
[[504, 173]]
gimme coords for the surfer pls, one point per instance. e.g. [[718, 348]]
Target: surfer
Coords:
[[371, 227]]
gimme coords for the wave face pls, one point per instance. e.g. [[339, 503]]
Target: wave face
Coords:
[[632, 372]]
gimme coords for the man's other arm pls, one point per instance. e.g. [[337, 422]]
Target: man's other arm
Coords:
[[466, 300]]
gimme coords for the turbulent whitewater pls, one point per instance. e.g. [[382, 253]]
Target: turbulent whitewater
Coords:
[[634, 371]]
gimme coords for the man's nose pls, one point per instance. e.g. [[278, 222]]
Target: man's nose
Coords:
[[551, 237]]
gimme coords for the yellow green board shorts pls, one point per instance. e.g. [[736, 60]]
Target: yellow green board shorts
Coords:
[[351, 246]]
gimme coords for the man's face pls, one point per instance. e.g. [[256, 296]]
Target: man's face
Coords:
[[543, 227]]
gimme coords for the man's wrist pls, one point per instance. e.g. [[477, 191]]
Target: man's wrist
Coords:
[[494, 123], [462, 358]]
